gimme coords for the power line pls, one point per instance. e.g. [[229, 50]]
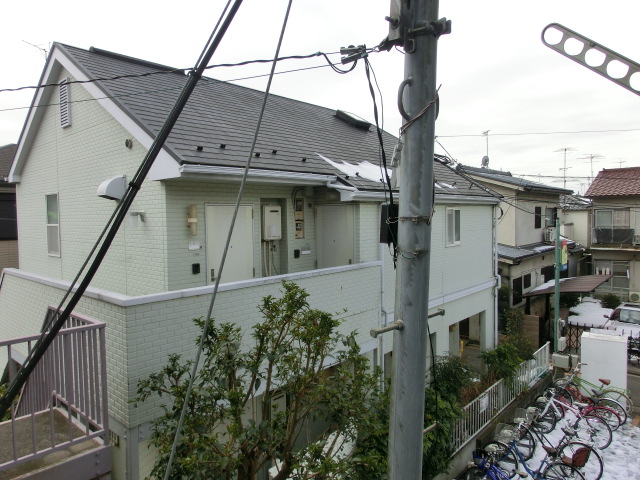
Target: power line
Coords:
[[540, 133], [188, 70], [145, 92]]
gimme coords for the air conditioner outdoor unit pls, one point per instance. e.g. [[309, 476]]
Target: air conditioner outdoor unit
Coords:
[[549, 234], [634, 296], [636, 239]]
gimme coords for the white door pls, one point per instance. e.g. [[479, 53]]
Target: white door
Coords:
[[239, 262], [334, 230]]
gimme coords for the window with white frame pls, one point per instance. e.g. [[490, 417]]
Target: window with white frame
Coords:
[[453, 226], [612, 218], [619, 271], [53, 225], [550, 216]]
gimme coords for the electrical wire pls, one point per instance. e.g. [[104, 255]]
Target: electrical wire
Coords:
[[368, 70], [189, 70], [541, 133], [224, 253]]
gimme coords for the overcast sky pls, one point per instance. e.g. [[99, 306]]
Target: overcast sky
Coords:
[[494, 71]]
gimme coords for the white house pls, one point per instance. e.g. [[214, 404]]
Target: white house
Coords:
[[526, 230], [310, 213]]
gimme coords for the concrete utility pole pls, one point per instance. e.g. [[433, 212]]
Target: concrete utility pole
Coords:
[[414, 25]]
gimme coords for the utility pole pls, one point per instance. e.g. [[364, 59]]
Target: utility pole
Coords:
[[414, 25]]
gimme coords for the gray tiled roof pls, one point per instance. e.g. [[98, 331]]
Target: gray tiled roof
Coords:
[[220, 113], [506, 177], [518, 253]]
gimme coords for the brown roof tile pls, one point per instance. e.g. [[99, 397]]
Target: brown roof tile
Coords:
[[615, 182]]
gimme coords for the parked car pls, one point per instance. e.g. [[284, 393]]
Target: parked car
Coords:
[[625, 319]]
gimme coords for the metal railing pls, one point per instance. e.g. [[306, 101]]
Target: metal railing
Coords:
[[64, 402], [481, 411]]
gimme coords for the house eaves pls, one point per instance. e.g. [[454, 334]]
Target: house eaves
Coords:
[[214, 172], [59, 60]]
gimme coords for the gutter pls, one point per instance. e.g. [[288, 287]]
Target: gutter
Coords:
[[214, 172]]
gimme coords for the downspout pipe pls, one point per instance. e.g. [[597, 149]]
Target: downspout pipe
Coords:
[[496, 290]]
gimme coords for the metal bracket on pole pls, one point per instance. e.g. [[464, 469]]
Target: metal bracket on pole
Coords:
[[440, 312], [397, 325]]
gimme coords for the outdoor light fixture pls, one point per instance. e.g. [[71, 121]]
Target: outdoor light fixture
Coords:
[[192, 220], [135, 215]]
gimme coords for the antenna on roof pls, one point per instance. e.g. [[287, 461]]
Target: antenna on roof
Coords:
[[485, 161]]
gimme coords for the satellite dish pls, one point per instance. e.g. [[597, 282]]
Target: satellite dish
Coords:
[[485, 161]]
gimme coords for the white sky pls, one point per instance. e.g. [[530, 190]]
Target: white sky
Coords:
[[495, 73]]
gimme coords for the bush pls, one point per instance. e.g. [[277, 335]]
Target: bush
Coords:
[[569, 299], [502, 362], [450, 376], [610, 300], [516, 335]]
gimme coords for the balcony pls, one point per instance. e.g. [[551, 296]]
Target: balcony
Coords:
[[58, 427], [614, 236]]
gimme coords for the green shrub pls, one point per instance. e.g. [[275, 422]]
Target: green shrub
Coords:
[[450, 376], [569, 299], [610, 300], [502, 362]]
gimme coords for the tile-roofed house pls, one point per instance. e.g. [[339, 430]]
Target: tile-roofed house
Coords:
[[615, 230], [615, 182], [310, 213], [8, 220]]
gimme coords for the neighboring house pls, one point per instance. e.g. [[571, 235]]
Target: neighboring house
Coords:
[[576, 221], [310, 213], [8, 220], [615, 230], [526, 231]]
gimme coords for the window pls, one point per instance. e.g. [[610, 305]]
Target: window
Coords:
[[8, 220], [612, 226], [526, 281], [65, 104], [453, 226], [53, 225], [620, 271], [612, 218], [550, 217], [517, 290], [537, 218]]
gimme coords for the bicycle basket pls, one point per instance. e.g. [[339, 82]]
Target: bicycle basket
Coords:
[[580, 457], [504, 433], [520, 415]]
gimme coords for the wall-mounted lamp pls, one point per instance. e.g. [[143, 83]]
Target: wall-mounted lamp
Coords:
[[192, 220], [135, 215]]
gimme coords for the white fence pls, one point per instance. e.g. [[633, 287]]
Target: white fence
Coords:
[[487, 406]]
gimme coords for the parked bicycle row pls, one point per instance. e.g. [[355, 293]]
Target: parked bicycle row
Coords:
[[559, 436]]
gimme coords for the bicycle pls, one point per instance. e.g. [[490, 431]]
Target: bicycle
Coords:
[[579, 454], [485, 468], [605, 389], [550, 410], [609, 410], [571, 390]]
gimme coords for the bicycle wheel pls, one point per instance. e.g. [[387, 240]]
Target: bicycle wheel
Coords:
[[615, 405], [609, 415], [562, 471], [595, 431], [544, 422], [619, 397], [502, 457], [473, 473], [583, 457], [526, 442]]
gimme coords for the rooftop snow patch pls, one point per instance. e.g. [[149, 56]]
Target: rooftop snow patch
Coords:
[[366, 170]]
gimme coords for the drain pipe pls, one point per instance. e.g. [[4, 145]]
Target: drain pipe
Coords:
[[496, 274]]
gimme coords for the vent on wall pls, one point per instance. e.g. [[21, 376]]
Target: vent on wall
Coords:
[[65, 109], [636, 239]]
